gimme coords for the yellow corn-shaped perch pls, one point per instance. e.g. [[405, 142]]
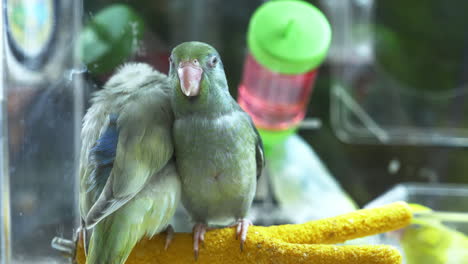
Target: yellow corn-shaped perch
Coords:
[[311, 242]]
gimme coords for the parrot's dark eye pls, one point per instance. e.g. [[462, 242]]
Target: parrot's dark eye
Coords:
[[213, 61]]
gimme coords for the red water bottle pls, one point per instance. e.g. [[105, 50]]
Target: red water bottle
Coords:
[[287, 41]]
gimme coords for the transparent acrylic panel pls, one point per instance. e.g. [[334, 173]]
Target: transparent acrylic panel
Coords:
[[41, 119], [399, 71], [439, 236]]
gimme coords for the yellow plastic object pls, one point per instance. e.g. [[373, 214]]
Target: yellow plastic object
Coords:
[[301, 243]]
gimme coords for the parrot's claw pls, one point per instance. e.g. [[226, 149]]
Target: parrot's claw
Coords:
[[199, 231], [169, 236], [241, 232], [68, 247]]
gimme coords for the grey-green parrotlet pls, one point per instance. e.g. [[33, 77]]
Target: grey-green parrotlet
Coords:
[[218, 150], [430, 240], [129, 184]]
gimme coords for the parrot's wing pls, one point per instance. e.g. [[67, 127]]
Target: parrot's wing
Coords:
[[259, 154], [102, 157], [143, 147], [92, 179]]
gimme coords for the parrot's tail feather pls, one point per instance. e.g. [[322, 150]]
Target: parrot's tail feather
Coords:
[[109, 245], [105, 205], [84, 236]]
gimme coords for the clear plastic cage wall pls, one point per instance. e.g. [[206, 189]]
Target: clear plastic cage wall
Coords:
[[41, 111], [400, 71]]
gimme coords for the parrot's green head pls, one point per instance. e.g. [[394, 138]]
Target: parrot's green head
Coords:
[[197, 74]]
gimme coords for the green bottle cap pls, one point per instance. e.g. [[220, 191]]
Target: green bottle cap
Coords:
[[289, 37], [271, 138]]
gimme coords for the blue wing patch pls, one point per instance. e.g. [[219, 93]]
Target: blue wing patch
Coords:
[[103, 155], [104, 151]]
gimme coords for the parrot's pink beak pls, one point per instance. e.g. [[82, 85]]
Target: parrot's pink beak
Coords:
[[190, 74]]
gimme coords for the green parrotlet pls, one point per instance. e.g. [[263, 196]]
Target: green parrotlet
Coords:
[[428, 240], [129, 184], [218, 150]]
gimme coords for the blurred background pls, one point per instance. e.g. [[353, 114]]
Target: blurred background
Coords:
[[387, 106]]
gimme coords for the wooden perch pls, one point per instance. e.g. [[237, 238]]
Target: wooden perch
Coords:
[[310, 242]]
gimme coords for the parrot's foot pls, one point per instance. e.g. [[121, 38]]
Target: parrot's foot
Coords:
[[242, 227], [67, 247], [199, 231], [169, 236]]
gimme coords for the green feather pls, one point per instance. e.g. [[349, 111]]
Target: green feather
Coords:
[[146, 215]]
